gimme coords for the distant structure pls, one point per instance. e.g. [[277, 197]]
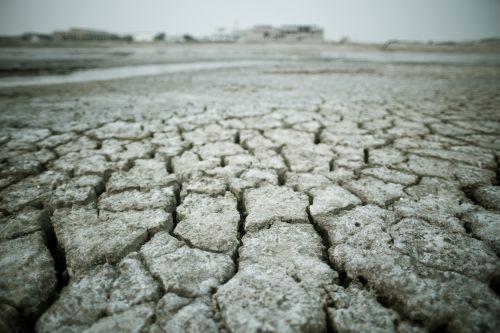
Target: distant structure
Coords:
[[224, 36], [257, 34], [143, 37], [286, 33], [79, 34]]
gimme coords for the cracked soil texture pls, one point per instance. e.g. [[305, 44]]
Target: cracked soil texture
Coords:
[[302, 196]]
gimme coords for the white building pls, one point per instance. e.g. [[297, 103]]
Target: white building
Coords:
[[260, 33], [224, 36], [301, 33], [287, 33], [144, 36]]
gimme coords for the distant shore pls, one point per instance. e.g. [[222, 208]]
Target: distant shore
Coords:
[[56, 58], [488, 45]]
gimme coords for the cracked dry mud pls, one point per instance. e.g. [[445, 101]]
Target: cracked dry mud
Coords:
[[244, 200]]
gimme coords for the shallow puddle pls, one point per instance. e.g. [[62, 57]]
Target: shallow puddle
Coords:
[[100, 74]]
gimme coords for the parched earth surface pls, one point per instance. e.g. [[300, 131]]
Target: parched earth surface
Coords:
[[298, 196]]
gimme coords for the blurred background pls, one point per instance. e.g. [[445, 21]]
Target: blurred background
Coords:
[[58, 37]]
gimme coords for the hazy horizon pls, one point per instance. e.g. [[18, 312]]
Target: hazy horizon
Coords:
[[359, 20]]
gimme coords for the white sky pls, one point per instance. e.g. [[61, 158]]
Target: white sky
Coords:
[[360, 20]]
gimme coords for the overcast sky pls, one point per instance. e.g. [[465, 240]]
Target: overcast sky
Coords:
[[360, 20]]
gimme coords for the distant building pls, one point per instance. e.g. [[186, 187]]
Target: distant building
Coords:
[[224, 36], [261, 33], [144, 37], [301, 33], [287, 33], [79, 34]]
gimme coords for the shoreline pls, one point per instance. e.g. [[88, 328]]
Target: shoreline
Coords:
[[40, 60], [487, 46]]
